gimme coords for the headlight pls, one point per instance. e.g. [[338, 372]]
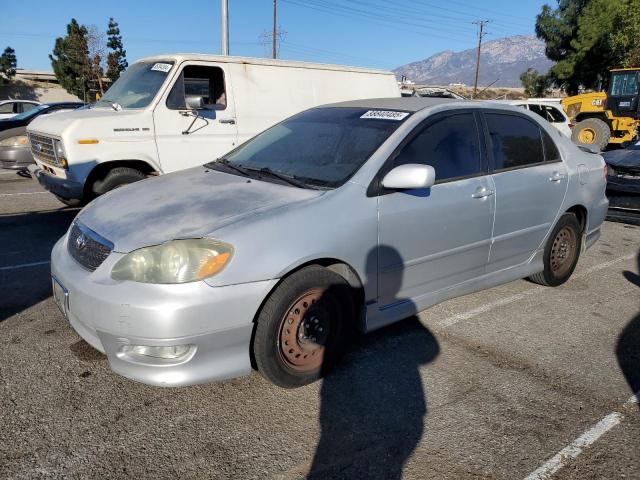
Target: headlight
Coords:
[[60, 153], [17, 141], [178, 261]]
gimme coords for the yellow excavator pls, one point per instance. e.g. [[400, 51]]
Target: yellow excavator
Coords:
[[602, 118]]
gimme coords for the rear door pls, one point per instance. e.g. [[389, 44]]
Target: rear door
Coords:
[[530, 179], [433, 238], [187, 137]]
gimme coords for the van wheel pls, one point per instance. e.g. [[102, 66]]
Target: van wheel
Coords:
[[561, 252], [592, 131], [303, 327], [117, 177]]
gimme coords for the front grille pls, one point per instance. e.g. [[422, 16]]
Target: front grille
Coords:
[[87, 247], [42, 148]]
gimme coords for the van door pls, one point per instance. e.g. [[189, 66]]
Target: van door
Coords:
[[195, 122]]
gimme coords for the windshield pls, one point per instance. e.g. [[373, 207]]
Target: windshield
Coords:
[[137, 86], [624, 84], [321, 146], [30, 113]]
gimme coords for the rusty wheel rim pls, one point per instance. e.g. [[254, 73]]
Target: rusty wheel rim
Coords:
[[563, 251], [304, 330]]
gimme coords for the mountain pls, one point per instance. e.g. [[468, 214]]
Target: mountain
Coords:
[[503, 60]]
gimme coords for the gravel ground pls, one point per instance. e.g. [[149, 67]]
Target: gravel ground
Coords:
[[490, 385]]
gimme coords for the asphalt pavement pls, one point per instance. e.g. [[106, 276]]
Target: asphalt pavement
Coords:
[[516, 382]]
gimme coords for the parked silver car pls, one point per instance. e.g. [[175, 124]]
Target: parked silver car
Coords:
[[343, 217]]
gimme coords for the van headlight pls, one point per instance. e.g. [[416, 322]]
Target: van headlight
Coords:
[[60, 153], [177, 261]]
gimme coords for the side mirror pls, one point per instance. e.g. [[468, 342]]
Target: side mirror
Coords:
[[410, 176], [194, 103]]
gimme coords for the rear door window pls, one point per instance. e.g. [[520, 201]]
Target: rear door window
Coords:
[[6, 108], [516, 141], [450, 145]]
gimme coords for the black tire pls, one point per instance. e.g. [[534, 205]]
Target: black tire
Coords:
[[561, 253], [599, 128], [313, 301], [116, 177], [70, 202]]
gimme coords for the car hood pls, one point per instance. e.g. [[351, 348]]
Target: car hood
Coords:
[[188, 204], [628, 158]]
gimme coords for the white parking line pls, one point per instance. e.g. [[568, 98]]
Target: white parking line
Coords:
[[25, 193], [459, 317], [24, 265], [635, 398], [574, 449]]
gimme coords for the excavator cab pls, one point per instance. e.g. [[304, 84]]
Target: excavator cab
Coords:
[[622, 95]]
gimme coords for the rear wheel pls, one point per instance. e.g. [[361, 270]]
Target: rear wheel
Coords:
[[561, 252], [303, 327], [592, 131]]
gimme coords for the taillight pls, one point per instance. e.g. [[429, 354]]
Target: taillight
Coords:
[[606, 171]]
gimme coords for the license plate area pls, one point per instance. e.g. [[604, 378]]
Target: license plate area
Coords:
[[60, 296]]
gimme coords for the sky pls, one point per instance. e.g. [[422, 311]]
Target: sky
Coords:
[[373, 33]]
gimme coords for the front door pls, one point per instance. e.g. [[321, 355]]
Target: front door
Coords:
[[187, 136], [530, 179], [435, 238]]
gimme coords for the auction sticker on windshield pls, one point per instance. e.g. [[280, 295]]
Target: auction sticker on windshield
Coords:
[[385, 115], [161, 67]]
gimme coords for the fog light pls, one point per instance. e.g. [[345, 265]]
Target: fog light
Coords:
[[171, 352]]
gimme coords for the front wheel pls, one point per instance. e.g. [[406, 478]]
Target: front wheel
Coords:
[[303, 327], [561, 252]]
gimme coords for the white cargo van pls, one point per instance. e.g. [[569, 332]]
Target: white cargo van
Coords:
[[170, 112]]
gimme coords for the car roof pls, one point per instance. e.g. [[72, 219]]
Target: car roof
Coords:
[[410, 104]]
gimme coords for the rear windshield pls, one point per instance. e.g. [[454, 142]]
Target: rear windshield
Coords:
[[323, 146]]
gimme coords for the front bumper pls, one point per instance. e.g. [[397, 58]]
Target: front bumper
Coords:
[[15, 158], [112, 316], [62, 187]]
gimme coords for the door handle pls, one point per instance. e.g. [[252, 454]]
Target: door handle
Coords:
[[556, 177], [482, 192], [230, 121]]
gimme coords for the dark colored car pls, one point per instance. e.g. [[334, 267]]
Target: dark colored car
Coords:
[[14, 145], [623, 184]]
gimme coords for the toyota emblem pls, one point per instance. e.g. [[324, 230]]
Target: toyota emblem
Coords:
[[81, 241]]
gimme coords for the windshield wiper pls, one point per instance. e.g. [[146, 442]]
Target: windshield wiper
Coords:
[[285, 178], [223, 161]]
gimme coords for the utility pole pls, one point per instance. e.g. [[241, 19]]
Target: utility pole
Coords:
[[273, 48], [224, 28], [481, 33]]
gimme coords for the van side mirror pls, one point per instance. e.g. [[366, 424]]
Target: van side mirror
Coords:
[[194, 103], [409, 176]]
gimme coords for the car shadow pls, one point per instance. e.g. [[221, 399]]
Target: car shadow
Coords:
[[373, 405], [628, 347], [27, 240]]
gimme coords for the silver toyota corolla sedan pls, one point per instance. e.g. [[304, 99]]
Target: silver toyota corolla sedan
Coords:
[[341, 218]]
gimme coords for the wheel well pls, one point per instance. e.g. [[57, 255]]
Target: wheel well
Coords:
[[581, 214], [598, 115], [101, 170]]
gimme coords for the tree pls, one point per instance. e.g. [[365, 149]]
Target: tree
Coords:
[[70, 60], [116, 60], [535, 85], [8, 64], [587, 38]]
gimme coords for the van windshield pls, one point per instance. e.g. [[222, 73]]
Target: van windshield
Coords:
[[320, 147], [137, 86]]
